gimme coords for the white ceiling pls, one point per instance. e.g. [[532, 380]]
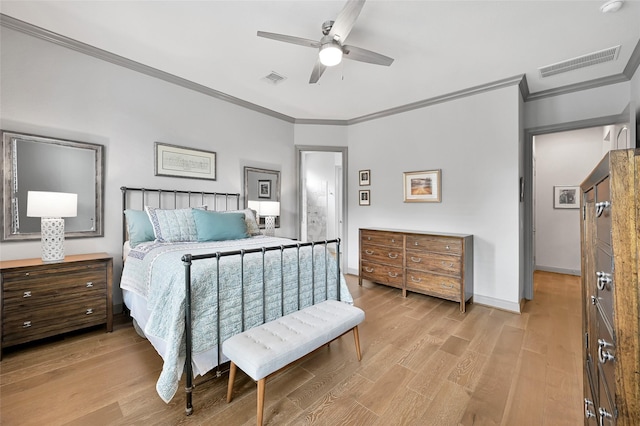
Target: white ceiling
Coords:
[[439, 47]]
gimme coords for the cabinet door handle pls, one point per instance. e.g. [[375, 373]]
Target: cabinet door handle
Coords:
[[603, 355], [392, 274], [26, 324], [89, 284], [416, 259], [601, 206], [26, 294], [415, 280], [368, 269], [393, 255], [369, 252]]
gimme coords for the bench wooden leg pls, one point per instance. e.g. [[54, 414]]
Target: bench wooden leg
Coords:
[[232, 377], [356, 337], [260, 411]]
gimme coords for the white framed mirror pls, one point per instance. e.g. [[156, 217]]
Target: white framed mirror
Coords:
[[38, 163]]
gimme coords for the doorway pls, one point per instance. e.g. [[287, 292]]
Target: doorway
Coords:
[[322, 193]]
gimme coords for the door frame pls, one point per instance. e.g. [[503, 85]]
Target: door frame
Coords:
[[300, 149]]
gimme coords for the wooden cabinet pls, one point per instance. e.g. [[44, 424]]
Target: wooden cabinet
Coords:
[[610, 290], [437, 264], [40, 300]]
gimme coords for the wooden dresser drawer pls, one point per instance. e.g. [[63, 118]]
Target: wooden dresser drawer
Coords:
[[388, 239], [434, 244], [436, 263], [434, 285], [383, 274], [386, 255]]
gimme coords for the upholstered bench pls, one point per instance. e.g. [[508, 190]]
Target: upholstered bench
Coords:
[[265, 349]]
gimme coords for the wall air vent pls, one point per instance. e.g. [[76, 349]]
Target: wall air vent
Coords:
[[606, 55], [274, 78]]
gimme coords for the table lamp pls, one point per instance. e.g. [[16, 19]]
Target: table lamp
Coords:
[[269, 209], [51, 207]]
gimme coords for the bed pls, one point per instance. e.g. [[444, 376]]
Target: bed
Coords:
[[196, 279]]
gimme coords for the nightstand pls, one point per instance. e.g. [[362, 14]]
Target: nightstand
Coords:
[[41, 300]]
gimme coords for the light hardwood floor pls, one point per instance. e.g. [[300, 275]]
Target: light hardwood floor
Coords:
[[423, 363]]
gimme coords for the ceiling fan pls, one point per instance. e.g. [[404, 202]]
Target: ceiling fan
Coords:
[[331, 46]]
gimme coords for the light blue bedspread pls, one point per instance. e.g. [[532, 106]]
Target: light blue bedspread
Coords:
[[156, 272]]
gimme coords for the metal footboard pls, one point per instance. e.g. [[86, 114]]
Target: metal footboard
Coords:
[[188, 260]]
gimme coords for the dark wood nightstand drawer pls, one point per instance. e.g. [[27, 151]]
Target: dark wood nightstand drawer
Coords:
[[386, 255], [383, 274]]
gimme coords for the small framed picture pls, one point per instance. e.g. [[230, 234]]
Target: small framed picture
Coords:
[[264, 189], [364, 197], [422, 187], [365, 177], [566, 197]]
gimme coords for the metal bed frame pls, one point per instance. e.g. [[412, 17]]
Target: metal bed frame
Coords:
[[188, 259]]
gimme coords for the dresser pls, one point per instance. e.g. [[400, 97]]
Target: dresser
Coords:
[[41, 300], [436, 264], [610, 243]]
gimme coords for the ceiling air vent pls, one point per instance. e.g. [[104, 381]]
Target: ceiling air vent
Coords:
[[274, 78], [606, 55]]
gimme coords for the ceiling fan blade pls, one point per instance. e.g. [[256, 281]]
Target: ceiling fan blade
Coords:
[[364, 55], [290, 39], [346, 18], [318, 69]]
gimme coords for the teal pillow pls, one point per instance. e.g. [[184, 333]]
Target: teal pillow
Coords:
[[139, 227], [215, 226]]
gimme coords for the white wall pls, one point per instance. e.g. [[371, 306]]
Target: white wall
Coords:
[[53, 91], [475, 142], [564, 158]]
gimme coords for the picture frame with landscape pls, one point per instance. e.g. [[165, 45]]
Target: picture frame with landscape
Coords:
[[422, 186]]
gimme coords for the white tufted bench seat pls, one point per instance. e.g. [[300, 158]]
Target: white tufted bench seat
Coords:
[[265, 349]]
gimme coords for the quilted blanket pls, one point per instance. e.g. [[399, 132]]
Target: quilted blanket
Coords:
[[252, 289]]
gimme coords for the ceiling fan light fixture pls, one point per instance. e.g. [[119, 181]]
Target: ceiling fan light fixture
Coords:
[[330, 54]]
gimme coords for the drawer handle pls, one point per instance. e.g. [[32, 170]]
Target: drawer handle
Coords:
[[368, 269], [600, 207], [415, 280], [369, 252], [26, 294], [89, 284], [603, 279], [392, 274], [443, 285], [89, 311], [603, 414], [604, 356], [416, 244], [447, 247], [416, 259], [393, 240], [26, 274], [26, 324], [368, 238], [587, 412], [594, 300], [445, 264], [393, 255]]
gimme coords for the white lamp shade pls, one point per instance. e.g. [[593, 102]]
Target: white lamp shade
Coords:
[[330, 54], [269, 208], [51, 204], [254, 205]]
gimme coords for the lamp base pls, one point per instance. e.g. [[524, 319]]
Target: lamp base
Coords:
[[270, 226], [52, 231]]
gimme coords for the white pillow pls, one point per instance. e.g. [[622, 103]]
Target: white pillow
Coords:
[[172, 225]]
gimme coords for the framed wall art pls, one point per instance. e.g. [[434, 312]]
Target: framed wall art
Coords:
[[566, 197], [178, 161], [264, 189], [422, 187], [364, 197], [365, 177]]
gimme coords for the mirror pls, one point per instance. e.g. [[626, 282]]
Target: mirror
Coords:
[[36, 163], [261, 185]]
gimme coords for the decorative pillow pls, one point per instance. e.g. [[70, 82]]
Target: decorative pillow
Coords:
[[170, 226], [139, 227], [217, 226], [250, 219]]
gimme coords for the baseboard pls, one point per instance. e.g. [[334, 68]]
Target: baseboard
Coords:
[[352, 271], [497, 303], [557, 270]]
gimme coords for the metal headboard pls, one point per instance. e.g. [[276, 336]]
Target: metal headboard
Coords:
[[138, 198]]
